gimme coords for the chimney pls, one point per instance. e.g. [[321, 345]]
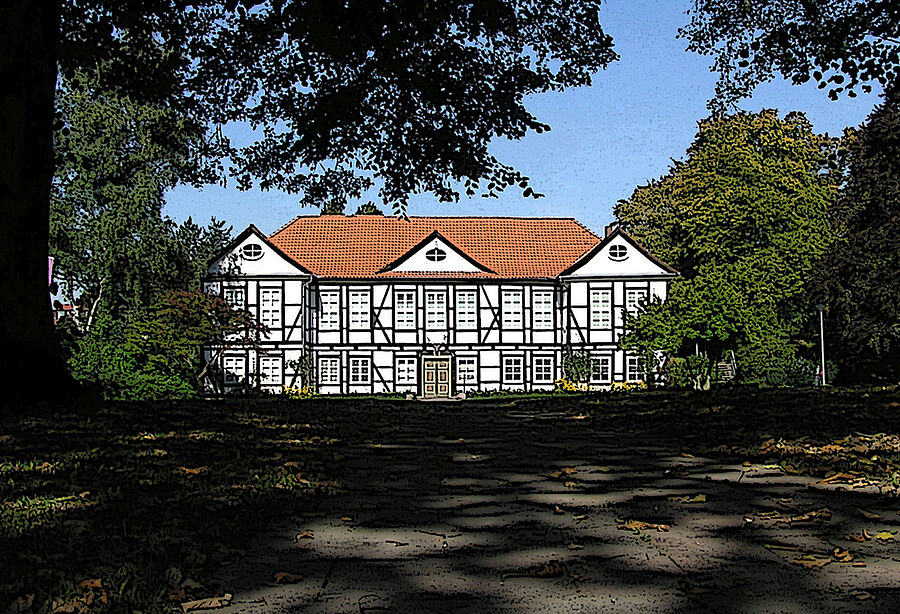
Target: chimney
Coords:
[[610, 228]]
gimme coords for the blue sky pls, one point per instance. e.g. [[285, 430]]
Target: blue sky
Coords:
[[640, 113]]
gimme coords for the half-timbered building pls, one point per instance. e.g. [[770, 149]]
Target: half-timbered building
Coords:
[[432, 305]]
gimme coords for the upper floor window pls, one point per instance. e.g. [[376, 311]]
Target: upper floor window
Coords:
[[511, 303], [435, 310], [634, 298], [270, 307], [542, 309], [252, 251], [435, 254], [405, 310], [601, 308], [360, 308], [329, 318], [466, 310], [235, 297], [618, 252]]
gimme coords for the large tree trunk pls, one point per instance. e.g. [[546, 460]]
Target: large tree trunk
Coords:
[[32, 363]]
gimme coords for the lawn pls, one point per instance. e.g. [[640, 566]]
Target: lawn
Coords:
[[142, 506]]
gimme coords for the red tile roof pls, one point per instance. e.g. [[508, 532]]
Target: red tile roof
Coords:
[[359, 246]]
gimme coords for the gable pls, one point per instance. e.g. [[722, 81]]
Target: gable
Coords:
[[251, 254], [619, 256], [435, 255]]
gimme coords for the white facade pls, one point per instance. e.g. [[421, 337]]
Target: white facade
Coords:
[[435, 329]]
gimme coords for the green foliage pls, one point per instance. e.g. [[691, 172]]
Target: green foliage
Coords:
[[859, 279], [333, 207], [688, 372], [842, 45], [744, 219], [369, 208], [576, 365], [157, 356]]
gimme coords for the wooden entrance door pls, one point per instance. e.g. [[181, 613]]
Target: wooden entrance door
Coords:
[[436, 376]]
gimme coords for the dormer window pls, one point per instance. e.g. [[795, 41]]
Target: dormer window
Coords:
[[435, 254], [252, 251], [618, 252]]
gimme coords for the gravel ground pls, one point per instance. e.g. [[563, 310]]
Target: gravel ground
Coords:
[[464, 507]]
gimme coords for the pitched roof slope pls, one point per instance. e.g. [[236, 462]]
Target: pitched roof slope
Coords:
[[359, 246]]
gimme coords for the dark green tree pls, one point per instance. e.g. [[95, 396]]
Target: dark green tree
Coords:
[[859, 279], [368, 208], [744, 218], [842, 45], [407, 94]]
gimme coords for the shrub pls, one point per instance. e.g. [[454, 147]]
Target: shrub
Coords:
[[627, 386], [303, 392], [688, 372]]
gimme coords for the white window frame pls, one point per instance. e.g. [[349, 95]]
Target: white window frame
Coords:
[[511, 307], [601, 308], [508, 367], [238, 366], [463, 364], [360, 370], [542, 309], [634, 297], [406, 371], [330, 313], [329, 370], [265, 373], [270, 307], [360, 309], [543, 364], [235, 296], [598, 360], [405, 318], [466, 311], [435, 310], [633, 372]]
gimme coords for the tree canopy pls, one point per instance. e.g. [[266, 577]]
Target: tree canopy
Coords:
[[842, 45], [859, 280], [743, 218]]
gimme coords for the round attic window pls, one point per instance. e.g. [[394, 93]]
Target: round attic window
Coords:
[[252, 251], [436, 254], [618, 252]]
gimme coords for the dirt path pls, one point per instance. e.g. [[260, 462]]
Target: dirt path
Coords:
[[461, 509]]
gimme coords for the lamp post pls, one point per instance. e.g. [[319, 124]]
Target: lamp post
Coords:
[[821, 308]]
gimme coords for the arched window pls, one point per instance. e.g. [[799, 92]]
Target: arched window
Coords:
[[252, 251]]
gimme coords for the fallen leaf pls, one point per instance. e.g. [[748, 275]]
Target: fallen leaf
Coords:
[[284, 577], [212, 603], [638, 525], [884, 535], [580, 417], [346, 518], [571, 485], [575, 547], [91, 583], [811, 561], [839, 478], [686, 455], [867, 514], [558, 510], [189, 471], [700, 498], [580, 517], [562, 474], [842, 556], [306, 535], [859, 537]]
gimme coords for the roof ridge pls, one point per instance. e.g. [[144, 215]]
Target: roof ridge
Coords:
[[296, 217]]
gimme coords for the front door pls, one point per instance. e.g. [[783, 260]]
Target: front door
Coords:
[[436, 376]]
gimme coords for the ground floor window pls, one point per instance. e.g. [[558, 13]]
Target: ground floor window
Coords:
[[329, 370], [235, 369], [512, 370], [270, 370], [601, 369], [466, 372], [543, 369], [406, 370], [360, 371], [633, 371]]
